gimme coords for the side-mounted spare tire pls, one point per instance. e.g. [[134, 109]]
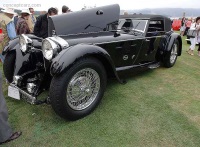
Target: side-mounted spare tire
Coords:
[[170, 57], [9, 65], [78, 91]]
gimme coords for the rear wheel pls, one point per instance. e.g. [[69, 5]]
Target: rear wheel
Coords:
[[78, 91], [170, 57], [9, 65]]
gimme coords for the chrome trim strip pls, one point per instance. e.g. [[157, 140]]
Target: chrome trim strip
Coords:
[[126, 40], [132, 66]]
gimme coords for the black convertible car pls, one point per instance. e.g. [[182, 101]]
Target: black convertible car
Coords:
[[83, 50]]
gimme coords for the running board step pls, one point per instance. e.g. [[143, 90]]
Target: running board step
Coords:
[[155, 65]]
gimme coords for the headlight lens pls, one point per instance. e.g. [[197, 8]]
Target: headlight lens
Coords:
[[48, 48], [24, 42]]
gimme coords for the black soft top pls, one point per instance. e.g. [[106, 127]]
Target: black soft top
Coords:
[[144, 16], [167, 21]]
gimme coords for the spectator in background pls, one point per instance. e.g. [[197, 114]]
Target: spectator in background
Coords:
[[1, 37], [65, 9], [57, 9], [15, 20], [31, 20], [188, 25], [194, 26], [125, 13], [41, 25], [183, 21], [198, 33], [22, 26], [7, 26]]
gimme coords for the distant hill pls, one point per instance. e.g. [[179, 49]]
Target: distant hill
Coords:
[[170, 12]]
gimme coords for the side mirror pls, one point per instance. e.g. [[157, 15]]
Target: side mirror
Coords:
[[99, 12]]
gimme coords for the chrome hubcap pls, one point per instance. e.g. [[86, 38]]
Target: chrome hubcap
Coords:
[[173, 54], [83, 89]]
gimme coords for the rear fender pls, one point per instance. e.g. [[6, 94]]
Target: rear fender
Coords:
[[169, 41]]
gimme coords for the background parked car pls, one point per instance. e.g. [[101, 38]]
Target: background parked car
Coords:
[[176, 25]]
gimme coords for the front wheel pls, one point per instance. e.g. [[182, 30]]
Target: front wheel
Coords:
[[9, 66], [170, 57], [78, 91]]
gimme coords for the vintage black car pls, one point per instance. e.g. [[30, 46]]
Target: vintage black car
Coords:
[[83, 50]]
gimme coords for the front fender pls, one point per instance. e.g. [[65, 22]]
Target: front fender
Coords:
[[170, 42], [67, 58], [12, 45]]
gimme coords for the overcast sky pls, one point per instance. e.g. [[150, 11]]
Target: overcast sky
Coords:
[[75, 5]]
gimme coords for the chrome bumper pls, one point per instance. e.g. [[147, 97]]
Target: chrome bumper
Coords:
[[26, 96]]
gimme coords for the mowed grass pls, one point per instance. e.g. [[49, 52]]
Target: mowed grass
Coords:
[[159, 107]]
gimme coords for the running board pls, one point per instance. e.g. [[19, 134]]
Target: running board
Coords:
[[155, 65]]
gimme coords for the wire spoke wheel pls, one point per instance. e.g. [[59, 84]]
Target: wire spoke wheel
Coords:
[[173, 53], [170, 56], [79, 90], [83, 89]]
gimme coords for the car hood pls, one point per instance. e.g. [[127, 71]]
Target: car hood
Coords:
[[84, 21]]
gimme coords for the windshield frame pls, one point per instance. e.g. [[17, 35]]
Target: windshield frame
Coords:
[[133, 28]]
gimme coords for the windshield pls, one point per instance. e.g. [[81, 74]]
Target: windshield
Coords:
[[132, 24]]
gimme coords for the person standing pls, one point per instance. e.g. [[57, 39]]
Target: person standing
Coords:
[[41, 25], [15, 20], [1, 37], [194, 26], [31, 20], [188, 25], [183, 21], [7, 26], [198, 33], [22, 26], [6, 133], [65, 9]]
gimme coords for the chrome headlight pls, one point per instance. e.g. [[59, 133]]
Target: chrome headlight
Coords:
[[48, 48], [52, 46], [17, 80], [25, 43]]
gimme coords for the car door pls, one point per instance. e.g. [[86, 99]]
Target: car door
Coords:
[[127, 50], [151, 42]]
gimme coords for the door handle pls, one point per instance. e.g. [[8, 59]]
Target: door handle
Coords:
[[119, 47], [147, 40], [133, 45]]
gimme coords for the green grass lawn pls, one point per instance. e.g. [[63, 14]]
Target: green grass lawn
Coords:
[[158, 107]]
